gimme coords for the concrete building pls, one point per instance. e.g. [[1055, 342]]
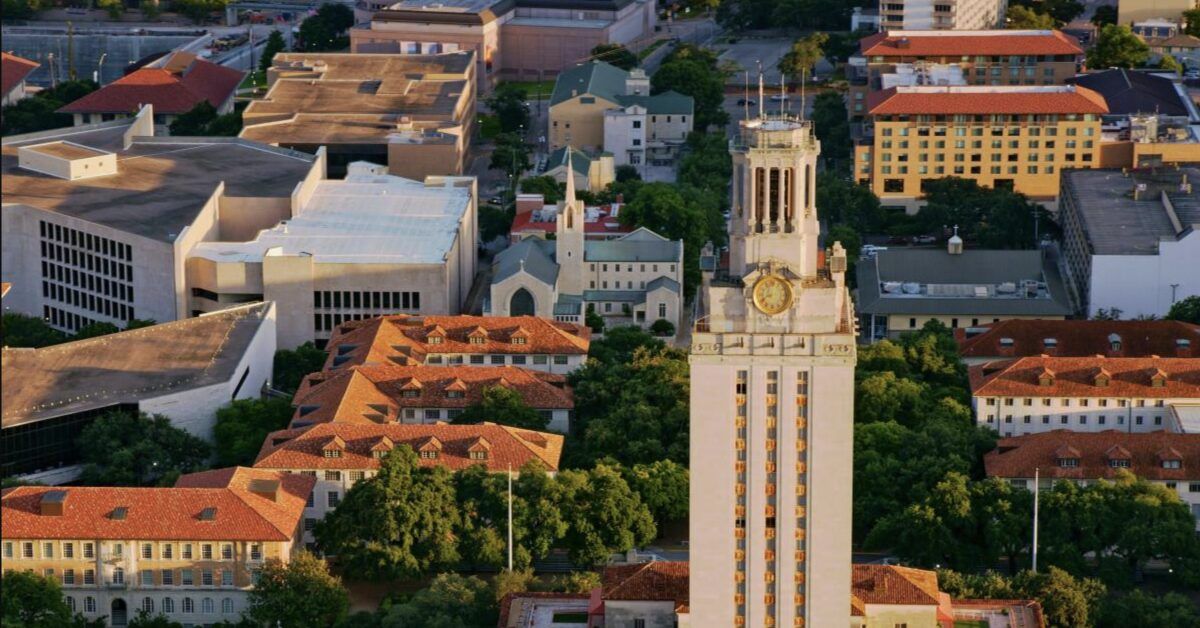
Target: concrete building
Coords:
[[13, 72], [173, 85], [1165, 458], [1129, 239], [942, 15], [184, 370], [899, 290], [976, 57], [514, 40], [650, 595], [1132, 11], [414, 114], [1092, 394], [525, 341], [338, 455], [637, 277], [772, 424], [190, 553], [1183, 48], [414, 395], [535, 219], [1016, 338], [1018, 138], [597, 107], [591, 174], [353, 249], [99, 221]]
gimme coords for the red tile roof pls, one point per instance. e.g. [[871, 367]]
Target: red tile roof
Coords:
[[375, 394], [507, 601], [1077, 377], [164, 513], [173, 89], [985, 100], [13, 70], [404, 340], [653, 581], [977, 43], [1017, 456], [507, 447], [523, 222], [1078, 338], [890, 584]]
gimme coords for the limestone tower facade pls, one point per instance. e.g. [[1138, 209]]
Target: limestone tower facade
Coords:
[[772, 401]]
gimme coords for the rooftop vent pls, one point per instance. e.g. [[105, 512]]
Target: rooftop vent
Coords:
[[53, 503], [66, 160]]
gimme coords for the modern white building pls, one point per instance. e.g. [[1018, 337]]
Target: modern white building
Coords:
[[1086, 394], [637, 278], [1131, 242], [185, 370], [942, 14], [357, 248], [772, 366]]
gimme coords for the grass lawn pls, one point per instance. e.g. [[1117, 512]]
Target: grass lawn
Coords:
[[651, 48], [256, 79], [970, 623], [489, 126], [534, 88]]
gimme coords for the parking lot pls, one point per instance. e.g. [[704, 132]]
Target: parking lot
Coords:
[[748, 53]]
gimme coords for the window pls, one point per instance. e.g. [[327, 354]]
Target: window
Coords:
[[188, 605], [27, 550], [186, 552], [147, 550], [167, 577], [118, 575], [89, 604], [227, 606], [227, 551], [1172, 464], [333, 476], [168, 551], [478, 455], [206, 577], [207, 606], [168, 605], [186, 577], [1119, 463], [68, 576], [226, 578], [47, 550], [334, 498], [206, 551], [1068, 463], [333, 453], [89, 576], [255, 551], [147, 579], [68, 550], [71, 604]]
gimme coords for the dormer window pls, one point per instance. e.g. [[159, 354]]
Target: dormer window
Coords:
[[333, 453], [410, 394], [518, 340], [429, 454], [1103, 378], [435, 340], [477, 336], [477, 340], [378, 454], [1068, 463], [1119, 463], [1170, 458], [455, 394], [1046, 378], [478, 455], [1172, 464], [1118, 457], [436, 335], [1158, 379]]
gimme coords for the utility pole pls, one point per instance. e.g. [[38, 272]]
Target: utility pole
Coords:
[[99, 74], [1174, 287], [1036, 491], [71, 50], [510, 500]]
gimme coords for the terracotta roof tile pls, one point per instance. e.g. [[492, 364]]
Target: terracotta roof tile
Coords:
[[978, 43], [1078, 377], [890, 584], [13, 70], [509, 598], [1016, 457], [1076, 338], [164, 513], [171, 89], [403, 339], [985, 100], [376, 394], [507, 447], [653, 581]]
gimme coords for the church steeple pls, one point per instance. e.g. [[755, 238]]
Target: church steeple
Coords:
[[569, 236]]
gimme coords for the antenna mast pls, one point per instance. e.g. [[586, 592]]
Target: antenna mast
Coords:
[[746, 96], [802, 102], [761, 91]]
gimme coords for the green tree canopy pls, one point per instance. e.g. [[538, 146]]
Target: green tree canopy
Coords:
[[1067, 601], [300, 594], [326, 30], [992, 218], [507, 102], [549, 187], [1024, 18], [832, 128], [663, 487], [693, 71], [1104, 15], [95, 330], [398, 524], [493, 223], [292, 365], [19, 330], [504, 406], [803, 55], [511, 155], [21, 9], [39, 112], [1139, 608], [30, 600], [603, 515], [450, 601], [1186, 310], [243, 425], [199, 11], [1191, 20], [626, 172], [123, 449], [843, 202], [275, 45], [615, 54], [1117, 47]]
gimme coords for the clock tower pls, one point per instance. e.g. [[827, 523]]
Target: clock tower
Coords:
[[772, 401]]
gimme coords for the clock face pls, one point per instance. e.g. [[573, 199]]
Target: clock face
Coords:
[[772, 295]]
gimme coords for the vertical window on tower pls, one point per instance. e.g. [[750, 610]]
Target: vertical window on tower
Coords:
[[740, 387], [771, 494], [801, 488], [760, 195]]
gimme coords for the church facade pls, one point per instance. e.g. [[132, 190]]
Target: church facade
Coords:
[[772, 371], [636, 278]]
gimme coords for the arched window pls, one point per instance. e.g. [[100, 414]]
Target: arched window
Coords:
[[188, 605], [206, 605], [89, 604], [168, 605], [521, 304], [227, 606], [71, 603], [148, 605]]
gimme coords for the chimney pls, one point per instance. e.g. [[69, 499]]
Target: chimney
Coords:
[[1183, 348], [265, 488], [954, 245], [53, 504]]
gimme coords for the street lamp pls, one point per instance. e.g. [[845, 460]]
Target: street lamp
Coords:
[[99, 68]]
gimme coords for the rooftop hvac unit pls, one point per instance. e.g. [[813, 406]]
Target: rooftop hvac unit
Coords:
[[981, 292], [891, 287], [912, 288], [1030, 288], [1007, 287]]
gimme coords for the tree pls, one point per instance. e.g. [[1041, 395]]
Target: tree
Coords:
[[195, 121], [124, 449], [398, 524], [300, 594], [138, 323], [493, 223], [1186, 310], [33, 601], [1191, 19], [603, 515], [507, 102], [1138, 608], [511, 155], [593, 320], [144, 619], [95, 330], [150, 9], [616, 55], [450, 601], [1167, 62], [677, 213], [804, 54], [1067, 602], [663, 487], [693, 71], [19, 330], [243, 425], [1117, 47], [504, 406], [275, 44], [21, 9], [292, 365], [626, 172], [546, 185], [1024, 18], [994, 218], [1104, 15], [663, 327], [324, 31], [114, 8], [199, 11], [40, 111], [844, 202], [831, 127]]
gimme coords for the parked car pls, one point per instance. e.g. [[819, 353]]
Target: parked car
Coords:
[[779, 97], [746, 102], [925, 239]]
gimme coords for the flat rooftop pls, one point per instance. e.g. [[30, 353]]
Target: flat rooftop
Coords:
[[364, 218], [66, 150], [125, 367], [160, 184], [1116, 224]]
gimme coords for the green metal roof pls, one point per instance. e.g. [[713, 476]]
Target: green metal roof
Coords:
[[580, 162], [595, 78]]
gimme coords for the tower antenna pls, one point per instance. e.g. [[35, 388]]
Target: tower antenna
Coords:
[[802, 102], [783, 107], [746, 96]]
